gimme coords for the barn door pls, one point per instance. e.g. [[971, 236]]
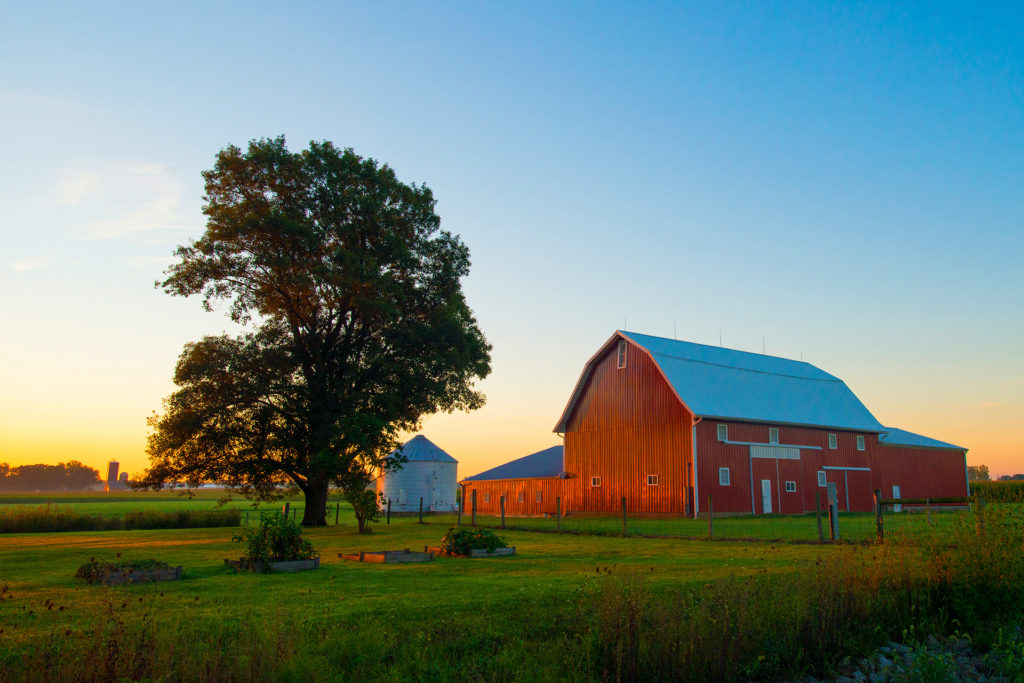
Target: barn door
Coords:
[[766, 496]]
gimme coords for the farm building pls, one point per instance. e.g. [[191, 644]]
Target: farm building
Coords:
[[665, 423], [530, 484], [429, 473]]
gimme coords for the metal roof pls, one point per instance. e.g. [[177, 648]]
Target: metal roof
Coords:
[[716, 382], [900, 437], [546, 463], [421, 449]]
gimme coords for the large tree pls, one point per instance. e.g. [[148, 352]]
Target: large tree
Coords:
[[356, 325]]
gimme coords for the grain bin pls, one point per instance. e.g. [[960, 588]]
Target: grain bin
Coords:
[[429, 473]]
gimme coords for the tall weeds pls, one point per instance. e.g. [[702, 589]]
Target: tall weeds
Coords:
[[52, 518]]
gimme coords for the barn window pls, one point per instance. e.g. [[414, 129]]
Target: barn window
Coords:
[[832, 441], [622, 355], [595, 481], [723, 476], [860, 442], [821, 478], [522, 497], [723, 432], [487, 497], [773, 435], [540, 496], [790, 486], [652, 479]]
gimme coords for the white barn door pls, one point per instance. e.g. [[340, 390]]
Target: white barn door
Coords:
[[766, 496]]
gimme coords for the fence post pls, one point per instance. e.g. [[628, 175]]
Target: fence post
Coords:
[[878, 516], [461, 505], [421, 510], [833, 519], [389, 512], [817, 515], [558, 513], [623, 516], [981, 515], [337, 511], [711, 528], [295, 514], [928, 510], [474, 507], [246, 519], [502, 501], [285, 511]]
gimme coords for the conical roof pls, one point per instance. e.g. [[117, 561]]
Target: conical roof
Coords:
[[421, 449]]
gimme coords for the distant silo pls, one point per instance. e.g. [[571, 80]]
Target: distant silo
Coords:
[[112, 468], [429, 473]]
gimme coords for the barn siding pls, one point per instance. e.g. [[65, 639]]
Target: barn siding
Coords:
[[550, 488], [628, 424], [920, 472]]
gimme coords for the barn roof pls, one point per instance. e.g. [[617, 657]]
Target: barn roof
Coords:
[[545, 463], [900, 437], [716, 382], [421, 449]]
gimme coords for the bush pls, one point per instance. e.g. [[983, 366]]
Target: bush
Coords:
[[277, 539], [461, 541], [94, 571]]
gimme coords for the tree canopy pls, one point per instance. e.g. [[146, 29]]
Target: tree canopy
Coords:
[[69, 476], [356, 325]]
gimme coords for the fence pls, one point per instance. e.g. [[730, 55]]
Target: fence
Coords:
[[906, 518]]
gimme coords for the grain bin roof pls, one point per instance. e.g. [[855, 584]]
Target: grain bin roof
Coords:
[[716, 382], [546, 463], [421, 449]]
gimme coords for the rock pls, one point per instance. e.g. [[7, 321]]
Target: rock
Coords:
[[878, 677], [884, 662]]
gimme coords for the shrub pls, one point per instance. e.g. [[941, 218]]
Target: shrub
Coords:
[[94, 571], [277, 539], [461, 541], [182, 519]]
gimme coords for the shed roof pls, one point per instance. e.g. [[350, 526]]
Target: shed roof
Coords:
[[546, 463], [421, 449], [900, 437], [725, 383]]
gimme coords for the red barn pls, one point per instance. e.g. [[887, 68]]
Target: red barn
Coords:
[[665, 423]]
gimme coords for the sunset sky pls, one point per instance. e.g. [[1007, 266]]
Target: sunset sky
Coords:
[[842, 183]]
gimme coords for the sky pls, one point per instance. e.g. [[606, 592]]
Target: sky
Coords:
[[841, 183]]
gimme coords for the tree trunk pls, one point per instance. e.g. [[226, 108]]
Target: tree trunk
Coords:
[[315, 513]]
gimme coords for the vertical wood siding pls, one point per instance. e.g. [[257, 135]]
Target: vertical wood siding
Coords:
[[920, 472], [489, 494], [628, 424]]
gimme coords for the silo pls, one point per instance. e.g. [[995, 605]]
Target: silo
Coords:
[[428, 473], [112, 468]]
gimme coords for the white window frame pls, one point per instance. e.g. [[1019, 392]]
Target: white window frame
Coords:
[[723, 432], [652, 479], [860, 442], [540, 496], [521, 498], [621, 354], [833, 442], [773, 435], [790, 487], [595, 482], [723, 476], [822, 478]]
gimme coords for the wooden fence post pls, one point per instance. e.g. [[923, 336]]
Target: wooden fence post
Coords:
[[461, 505], [389, 512], [295, 514], [711, 510], [285, 510], [502, 502], [246, 519], [623, 516], [833, 519], [558, 513], [474, 507], [981, 515], [337, 511], [928, 510], [878, 516], [421, 510], [817, 515]]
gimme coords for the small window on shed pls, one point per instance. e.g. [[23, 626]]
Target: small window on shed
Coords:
[[821, 478], [790, 486], [723, 432], [832, 442], [723, 476], [595, 481], [652, 479], [773, 435], [622, 355], [487, 497], [860, 442], [540, 496], [522, 497]]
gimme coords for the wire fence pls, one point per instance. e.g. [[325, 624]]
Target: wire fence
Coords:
[[891, 519]]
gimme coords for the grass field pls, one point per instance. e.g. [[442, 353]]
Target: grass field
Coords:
[[119, 503], [566, 607]]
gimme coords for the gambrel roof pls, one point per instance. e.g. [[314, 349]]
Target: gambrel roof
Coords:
[[715, 382]]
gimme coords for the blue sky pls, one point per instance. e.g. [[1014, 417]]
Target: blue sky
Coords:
[[837, 182]]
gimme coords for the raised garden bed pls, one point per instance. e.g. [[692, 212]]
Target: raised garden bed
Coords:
[[388, 556], [473, 553], [117, 573], [246, 565]]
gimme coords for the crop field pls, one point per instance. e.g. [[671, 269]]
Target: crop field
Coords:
[[565, 607]]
